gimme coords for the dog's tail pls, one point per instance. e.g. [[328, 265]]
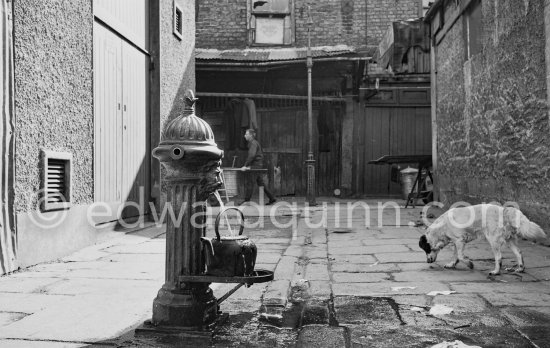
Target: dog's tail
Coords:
[[525, 228]]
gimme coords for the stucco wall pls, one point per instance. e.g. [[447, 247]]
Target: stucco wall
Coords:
[[53, 93], [177, 60], [222, 25], [492, 115], [54, 108], [174, 74]]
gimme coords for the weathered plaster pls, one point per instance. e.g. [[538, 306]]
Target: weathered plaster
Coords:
[[177, 60], [53, 93]]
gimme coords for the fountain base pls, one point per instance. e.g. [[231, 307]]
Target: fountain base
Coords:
[[204, 333], [194, 306]]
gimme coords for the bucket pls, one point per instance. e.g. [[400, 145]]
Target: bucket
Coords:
[[408, 176]]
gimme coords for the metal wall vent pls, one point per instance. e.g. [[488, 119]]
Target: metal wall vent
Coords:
[[178, 21], [56, 188]]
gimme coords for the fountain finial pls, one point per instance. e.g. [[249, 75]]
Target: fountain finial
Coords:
[[190, 99]]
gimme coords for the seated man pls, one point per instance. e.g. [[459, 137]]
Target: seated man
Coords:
[[255, 161]]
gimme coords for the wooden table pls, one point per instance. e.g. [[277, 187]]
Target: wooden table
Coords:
[[424, 162]]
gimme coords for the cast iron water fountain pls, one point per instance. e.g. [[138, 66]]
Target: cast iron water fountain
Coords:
[[185, 305]]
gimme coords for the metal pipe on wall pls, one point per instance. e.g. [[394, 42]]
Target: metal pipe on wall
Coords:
[[310, 162]]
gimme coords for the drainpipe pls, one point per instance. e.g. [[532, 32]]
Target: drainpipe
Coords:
[[433, 91]]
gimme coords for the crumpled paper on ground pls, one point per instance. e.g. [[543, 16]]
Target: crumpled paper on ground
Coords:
[[399, 288], [446, 292], [440, 309], [455, 344]]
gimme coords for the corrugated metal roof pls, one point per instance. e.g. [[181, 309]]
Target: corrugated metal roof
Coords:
[[271, 54]]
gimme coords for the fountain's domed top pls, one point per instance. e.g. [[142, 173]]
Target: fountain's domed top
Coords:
[[187, 136], [188, 128]]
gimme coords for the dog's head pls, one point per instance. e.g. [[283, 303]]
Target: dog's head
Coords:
[[431, 249]]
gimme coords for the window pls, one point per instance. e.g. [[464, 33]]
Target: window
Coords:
[[56, 185], [270, 22], [178, 21], [473, 29]]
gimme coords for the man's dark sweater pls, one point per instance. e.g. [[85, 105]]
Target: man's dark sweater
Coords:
[[255, 156]]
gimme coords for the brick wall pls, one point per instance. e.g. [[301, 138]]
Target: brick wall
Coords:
[[382, 12], [492, 114], [222, 24]]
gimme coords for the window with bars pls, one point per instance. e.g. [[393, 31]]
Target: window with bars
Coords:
[[178, 21], [56, 188], [270, 22]]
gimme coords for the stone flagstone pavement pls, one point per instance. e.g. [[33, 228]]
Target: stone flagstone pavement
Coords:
[[366, 284]]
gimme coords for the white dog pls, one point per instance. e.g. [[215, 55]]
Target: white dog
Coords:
[[500, 225]]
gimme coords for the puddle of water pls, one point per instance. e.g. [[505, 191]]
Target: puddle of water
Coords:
[[245, 329]]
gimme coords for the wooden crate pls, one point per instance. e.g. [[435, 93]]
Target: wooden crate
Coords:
[[231, 184]]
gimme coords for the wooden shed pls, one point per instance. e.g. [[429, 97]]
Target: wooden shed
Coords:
[[355, 118], [282, 131], [275, 80]]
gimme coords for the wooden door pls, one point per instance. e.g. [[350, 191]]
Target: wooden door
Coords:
[[135, 145], [121, 120], [388, 131], [283, 135], [377, 141], [130, 18], [107, 115], [327, 133]]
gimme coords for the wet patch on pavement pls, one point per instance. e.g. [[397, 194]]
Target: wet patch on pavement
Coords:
[[527, 316], [413, 336], [321, 336], [538, 335], [359, 310], [404, 322], [246, 329]]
